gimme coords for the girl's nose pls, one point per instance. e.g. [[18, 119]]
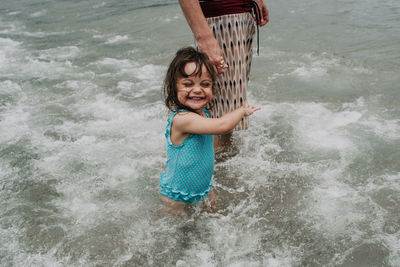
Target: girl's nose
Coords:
[[196, 89]]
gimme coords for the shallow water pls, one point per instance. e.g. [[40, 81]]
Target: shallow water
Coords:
[[317, 179]]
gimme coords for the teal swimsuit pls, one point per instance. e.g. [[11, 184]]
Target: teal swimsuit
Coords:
[[189, 166]]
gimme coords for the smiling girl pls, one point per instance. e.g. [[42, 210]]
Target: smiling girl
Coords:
[[188, 88]]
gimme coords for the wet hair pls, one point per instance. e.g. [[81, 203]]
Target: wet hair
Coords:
[[176, 71]]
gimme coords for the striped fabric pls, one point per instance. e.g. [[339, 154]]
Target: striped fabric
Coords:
[[234, 33]]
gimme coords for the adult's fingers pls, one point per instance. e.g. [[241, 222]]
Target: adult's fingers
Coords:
[[264, 13], [220, 65]]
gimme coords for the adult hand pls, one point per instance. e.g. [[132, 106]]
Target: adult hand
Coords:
[[203, 34], [264, 12], [211, 48]]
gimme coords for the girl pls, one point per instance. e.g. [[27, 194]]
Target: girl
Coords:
[[188, 88]]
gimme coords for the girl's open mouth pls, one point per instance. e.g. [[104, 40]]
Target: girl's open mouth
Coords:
[[196, 98]]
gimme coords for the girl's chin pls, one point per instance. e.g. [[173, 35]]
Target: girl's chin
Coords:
[[195, 106]]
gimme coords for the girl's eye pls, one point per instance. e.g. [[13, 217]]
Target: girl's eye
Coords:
[[187, 84], [206, 84]]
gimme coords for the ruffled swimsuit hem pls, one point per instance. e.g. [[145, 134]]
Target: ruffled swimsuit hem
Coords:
[[175, 194]]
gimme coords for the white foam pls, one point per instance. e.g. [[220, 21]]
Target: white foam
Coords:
[[170, 18], [106, 108], [19, 256], [8, 27], [9, 87], [8, 49], [125, 86], [59, 53], [12, 13], [38, 260], [111, 148], [15, 62], [99, 36], [132, 89], [82, 208], [233, 237], [117, 39], [14, 124], [392, 241], [38, 13], [383, 181], [387, 129], [315, 66], [310, 71], [359, 103], [100, 5], [200, 255], [362, 70], [15, 28], [5, 171], [280, 260], [45, 69], [332, 207], [38, 68], [320, 127], [77, 85], [148, 72], [113, 62]]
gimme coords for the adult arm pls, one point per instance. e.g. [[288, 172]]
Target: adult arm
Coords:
[[202, 32]]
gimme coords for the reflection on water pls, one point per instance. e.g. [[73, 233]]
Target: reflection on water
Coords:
[[314, 181]]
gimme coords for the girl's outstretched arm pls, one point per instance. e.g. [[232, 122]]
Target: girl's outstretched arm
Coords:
[[190, 122]]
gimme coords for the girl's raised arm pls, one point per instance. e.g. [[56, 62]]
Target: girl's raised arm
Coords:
[[190, 122]]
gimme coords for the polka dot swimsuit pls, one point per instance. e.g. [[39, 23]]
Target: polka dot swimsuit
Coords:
[[189, 166]]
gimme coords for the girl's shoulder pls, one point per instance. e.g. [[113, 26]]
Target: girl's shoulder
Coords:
[[183, 116], [186, 111], [178, 111], [187, 114]]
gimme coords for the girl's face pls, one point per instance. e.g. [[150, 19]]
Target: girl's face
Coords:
[[195, 91]]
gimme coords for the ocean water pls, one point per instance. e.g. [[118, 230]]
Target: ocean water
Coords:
[[316, 181]]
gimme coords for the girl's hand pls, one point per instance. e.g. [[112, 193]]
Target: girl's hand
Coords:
[[249, 110]]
